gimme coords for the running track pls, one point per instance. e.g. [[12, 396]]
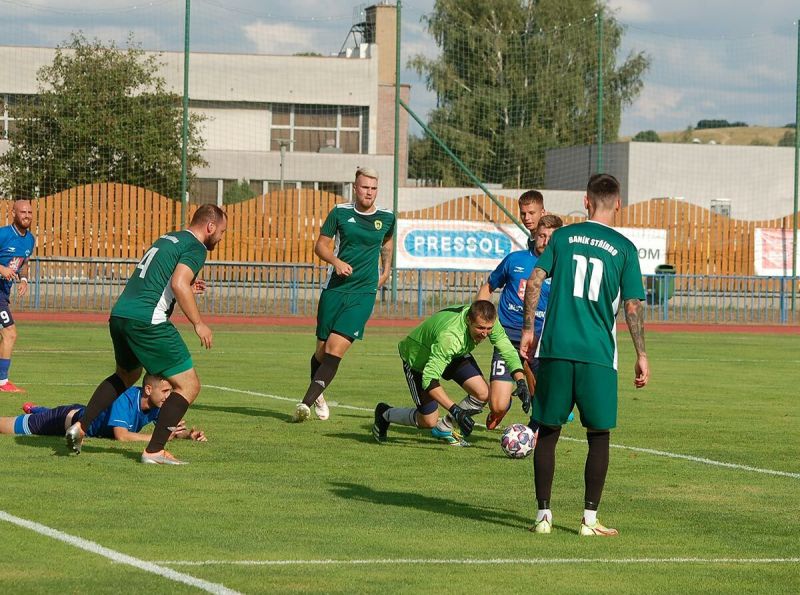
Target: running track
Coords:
[[83, 318]]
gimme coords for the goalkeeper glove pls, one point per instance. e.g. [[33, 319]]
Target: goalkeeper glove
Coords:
[[464, 421], [524, 394]]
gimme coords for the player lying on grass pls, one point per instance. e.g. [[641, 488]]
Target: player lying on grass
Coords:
[[133, 409], [441, 347]]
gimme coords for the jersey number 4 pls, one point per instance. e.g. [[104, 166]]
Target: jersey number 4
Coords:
[[581, 266], [145, 262]]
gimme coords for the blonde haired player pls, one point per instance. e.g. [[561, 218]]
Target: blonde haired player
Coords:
[[353, 238]]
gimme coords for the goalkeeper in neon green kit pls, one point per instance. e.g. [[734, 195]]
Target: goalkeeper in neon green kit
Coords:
[[441, 347]]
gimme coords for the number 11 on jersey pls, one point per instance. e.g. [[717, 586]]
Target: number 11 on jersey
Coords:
[[581, 266]]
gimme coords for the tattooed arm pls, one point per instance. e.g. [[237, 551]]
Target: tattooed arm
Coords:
[[634, 316], [533, 290]]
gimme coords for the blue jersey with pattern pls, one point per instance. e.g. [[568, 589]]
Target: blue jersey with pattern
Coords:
[[126, 412], [512, 276], [15, 250]]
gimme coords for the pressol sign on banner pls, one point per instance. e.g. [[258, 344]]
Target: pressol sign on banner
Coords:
[[467, 245], [464, 245]]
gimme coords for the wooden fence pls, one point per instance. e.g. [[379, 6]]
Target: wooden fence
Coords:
[[120, 221], [699, 242]]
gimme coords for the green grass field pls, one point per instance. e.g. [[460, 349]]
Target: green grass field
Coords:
[[320, 507]]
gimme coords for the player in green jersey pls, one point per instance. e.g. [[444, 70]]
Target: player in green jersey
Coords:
[[441, 347], [362, 234], [593, 269], [143, 335]]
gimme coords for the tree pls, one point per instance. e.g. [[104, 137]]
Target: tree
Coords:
[[101, 115], [705, 124], [516, 77], [647, 136], [239, 192], [788, 139]]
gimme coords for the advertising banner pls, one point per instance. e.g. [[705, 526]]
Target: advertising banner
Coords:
[[773, 252], [467, 245]]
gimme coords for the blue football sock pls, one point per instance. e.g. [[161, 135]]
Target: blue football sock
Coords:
[[21, 425], [5, 364]]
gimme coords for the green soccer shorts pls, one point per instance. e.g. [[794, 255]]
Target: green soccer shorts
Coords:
[[343, 313], [561, 383], [159, 348]]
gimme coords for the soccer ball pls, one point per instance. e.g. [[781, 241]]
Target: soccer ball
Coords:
[[518, 441]]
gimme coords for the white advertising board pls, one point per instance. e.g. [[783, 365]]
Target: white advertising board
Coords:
[[773, 252], [467, 245]]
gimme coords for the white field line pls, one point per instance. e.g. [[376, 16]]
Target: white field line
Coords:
[[477, 562], [114, 556], [660, 453], [672, 455]]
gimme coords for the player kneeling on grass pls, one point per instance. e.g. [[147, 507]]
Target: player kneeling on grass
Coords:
[[441, 347], [130, 412], [511, 275]]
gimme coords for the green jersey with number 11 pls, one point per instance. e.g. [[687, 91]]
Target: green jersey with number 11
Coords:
[[148, 295], [593, 268]]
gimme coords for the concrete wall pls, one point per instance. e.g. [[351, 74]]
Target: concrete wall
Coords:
[[328, 167], [758, 181], [560, 202]]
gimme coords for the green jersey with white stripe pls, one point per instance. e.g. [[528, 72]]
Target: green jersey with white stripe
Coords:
[[358, 238], [593, 269], [148, 295]]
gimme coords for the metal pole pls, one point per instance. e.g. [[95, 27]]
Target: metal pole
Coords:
[[796, 168], [600, 91], [185, 131], [463, 167], [395, 200], [283, 154]]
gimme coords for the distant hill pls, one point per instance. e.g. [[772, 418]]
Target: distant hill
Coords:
[[739, 135]]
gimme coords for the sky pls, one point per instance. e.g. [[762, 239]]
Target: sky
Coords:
[[728, 59]]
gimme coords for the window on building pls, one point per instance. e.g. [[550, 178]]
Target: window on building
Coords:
[[203, 191], [334, 187], [721, 206], [7, 122], [309, 128]]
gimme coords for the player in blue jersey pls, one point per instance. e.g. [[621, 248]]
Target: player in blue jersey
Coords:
[[134, 409], [531, 209], [511, 275], [16, 247]]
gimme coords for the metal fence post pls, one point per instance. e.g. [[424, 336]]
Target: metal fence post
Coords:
[[37, 281], [294, 291], [782, 301], [419, 293]]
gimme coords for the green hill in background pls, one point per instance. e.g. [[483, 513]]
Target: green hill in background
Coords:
[[737, 135]]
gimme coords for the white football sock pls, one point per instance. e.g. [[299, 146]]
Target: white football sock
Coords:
[[540, 514], [401, 416], [589, 517]]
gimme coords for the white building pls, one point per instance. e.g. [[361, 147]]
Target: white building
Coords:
[[744, 182], [330, 114]]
